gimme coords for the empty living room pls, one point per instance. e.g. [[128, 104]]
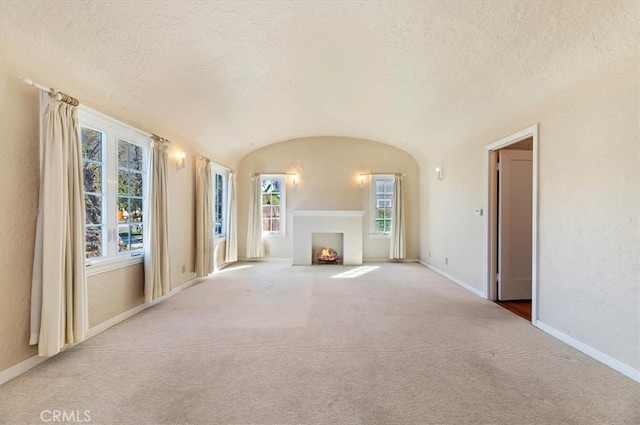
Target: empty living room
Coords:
[[320, 212]]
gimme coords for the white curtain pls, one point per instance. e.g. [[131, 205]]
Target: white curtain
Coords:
[[254, 232], [59, 288], [204, 219], [398, 239], [156, 244], [232, 217]]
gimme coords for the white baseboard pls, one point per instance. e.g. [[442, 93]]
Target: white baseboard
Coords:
[[22, 367], [603, 358], [453, 279], [614, 364]]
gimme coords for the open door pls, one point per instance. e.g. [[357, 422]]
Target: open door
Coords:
[[515, 197]]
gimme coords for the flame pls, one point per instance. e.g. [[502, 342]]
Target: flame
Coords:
[[326, 252]]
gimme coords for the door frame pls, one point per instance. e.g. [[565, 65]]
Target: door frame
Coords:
[[491, 216]]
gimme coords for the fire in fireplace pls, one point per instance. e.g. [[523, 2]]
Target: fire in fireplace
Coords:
[[328, 256]]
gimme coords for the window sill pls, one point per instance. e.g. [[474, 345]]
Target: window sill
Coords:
[[104, 265], [274, 235], [219, 239], [379, 235]]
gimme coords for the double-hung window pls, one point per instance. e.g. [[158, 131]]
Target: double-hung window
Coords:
[[219, 202], [114, 166], [381, 199], [273, 204]]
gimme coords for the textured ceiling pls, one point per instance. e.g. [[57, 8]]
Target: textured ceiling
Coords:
[[229, 77]]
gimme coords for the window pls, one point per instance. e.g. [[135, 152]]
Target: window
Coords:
[[382, 196], [219, 204], [273, 204], [114, 159]]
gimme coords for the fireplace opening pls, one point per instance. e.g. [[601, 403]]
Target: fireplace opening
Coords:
[[328, 256], [326, 248]]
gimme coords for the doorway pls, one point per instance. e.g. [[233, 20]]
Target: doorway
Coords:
[[511, 222]]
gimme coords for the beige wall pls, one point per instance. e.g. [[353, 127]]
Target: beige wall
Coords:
[[588, 229], [114, 293], [328, 169], [109, 294]]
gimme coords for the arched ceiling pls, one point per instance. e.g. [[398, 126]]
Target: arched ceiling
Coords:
[[228, 77]]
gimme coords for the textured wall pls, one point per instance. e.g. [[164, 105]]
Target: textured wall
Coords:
[[588, 228], [328, 169], [114, 292], [19, 175]]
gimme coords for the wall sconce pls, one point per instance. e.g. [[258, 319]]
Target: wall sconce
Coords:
[[294, 180], [439, 174], [361, 181], [180, 165]]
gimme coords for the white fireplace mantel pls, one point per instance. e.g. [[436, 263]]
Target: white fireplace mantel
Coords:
[[306, 223]]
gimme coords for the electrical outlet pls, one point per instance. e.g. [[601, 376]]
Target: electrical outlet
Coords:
[[184, 268], [446, 261], [429, 254]]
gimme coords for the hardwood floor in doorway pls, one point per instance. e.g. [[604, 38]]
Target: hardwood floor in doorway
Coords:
[[521, 308]]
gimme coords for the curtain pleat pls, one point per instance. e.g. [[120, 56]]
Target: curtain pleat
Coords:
[[398, 239], [59, 288], [157, 276], [231, 254], [254, 232], [204, 219]]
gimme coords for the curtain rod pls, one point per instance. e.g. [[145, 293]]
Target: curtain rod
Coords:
[[52, 92], [160, 139], [204, 158]]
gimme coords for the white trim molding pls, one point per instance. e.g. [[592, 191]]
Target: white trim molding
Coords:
[[490, 216], [454, 280], [595, 354], [33, 361], [332, 213]]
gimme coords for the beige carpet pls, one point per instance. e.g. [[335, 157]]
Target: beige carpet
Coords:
[[268, 343]]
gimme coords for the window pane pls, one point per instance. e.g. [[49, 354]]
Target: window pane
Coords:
[[93, 238], [135, 213], [92, 175], [379, 225], [93, 209], [135, 183], [387, 213], [135, 236], [387, 226], [91, 144], [123, 209], [123, 153], [135, 157], [123, 182]]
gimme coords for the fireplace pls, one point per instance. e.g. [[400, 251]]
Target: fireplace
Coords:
[[347, 224], [326, 248]]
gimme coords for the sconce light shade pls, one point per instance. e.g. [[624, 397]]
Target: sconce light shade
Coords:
[[361, 181], [294, 180], [439, 174], [180, 165]]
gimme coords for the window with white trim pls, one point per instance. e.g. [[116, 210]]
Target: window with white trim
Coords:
[[114, 166], [220, 203], [273, 204], [381, 199]]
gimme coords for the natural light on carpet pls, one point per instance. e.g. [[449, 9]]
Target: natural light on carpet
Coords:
[[230, 269], [359, 271]]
